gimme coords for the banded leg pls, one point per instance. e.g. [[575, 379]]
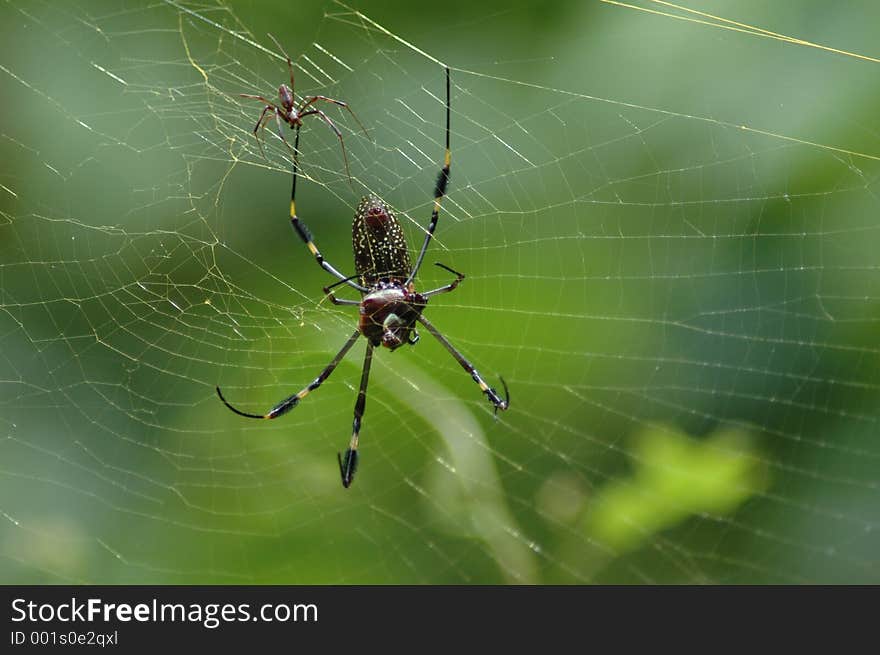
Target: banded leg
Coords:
[[348, 462], [491, 394], [447, 288], [439, 192], [300, 228], [292, 401]]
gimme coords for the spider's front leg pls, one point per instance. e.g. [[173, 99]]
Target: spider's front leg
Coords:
[[439, 191], [300, 228]]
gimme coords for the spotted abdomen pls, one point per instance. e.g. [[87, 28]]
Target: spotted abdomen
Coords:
[[380, 252]]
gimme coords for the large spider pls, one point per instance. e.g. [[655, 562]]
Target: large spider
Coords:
[[390, 306], [292, 114]]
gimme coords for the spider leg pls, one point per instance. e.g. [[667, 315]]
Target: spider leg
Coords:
[[344, 281], [303, 231], [313, 99], [292, 401], [270, 106], [439, 192], [262, 116], [261, 123], [348, 462], [491, 394], [342, 301], [320, 114], [449, 287], [260, 98]]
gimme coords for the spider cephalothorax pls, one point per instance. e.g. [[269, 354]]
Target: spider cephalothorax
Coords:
[[388, 315], [389, 306]]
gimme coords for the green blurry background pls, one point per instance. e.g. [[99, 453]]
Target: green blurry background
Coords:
[[670, 237]]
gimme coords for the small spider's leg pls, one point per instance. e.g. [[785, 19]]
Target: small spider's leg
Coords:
[[303, 231], [320, 114], [289, 63], [262, 116], [491, 394], [449, 287], [260, 98], [292, 401], [439, 192], [270, 106], [313, 99], [348, 462], [261, 123]]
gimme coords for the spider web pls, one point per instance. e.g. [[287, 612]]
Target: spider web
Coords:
[[668, 223]]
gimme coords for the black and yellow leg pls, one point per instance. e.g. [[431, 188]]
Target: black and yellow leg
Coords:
[[292, 401], [439, 191], [490, 393], [348, 462], [300, 228]]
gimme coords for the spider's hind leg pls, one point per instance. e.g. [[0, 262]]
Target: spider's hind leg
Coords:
[[489, 392]]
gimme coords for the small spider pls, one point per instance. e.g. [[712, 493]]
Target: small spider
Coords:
[[390, 306], [293, 115]]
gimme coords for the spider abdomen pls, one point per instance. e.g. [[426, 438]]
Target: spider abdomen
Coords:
[[379, 245]]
